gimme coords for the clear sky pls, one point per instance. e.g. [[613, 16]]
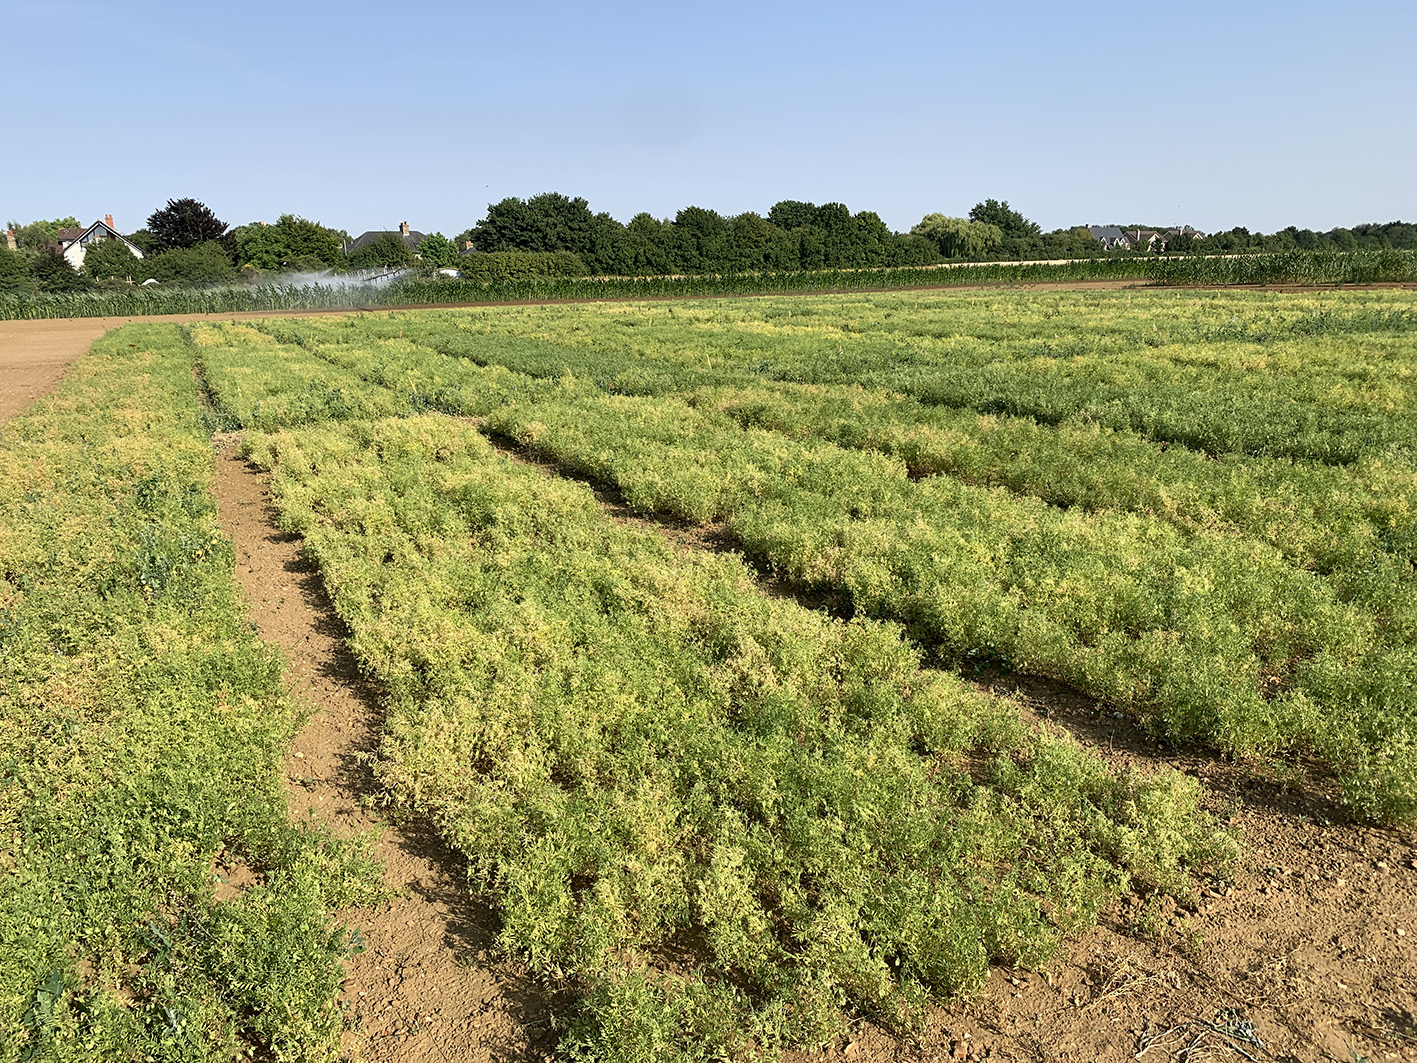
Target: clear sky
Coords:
[[1262, 113]]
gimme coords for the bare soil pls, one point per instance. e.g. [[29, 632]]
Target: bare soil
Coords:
[[427, 986], [1305, 954]]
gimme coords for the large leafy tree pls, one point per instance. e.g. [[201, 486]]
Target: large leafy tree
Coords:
[[14, 277], [1009, 221], [959, 237], [437, 250], [185, 223], [792, 214], [206, 263], [291, 243], [550, 222], [644, 245], [106, 259], [700, 239], [37, 235], [52, 273], [387, 250]]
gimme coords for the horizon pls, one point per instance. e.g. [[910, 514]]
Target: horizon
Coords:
[[1296, 117]]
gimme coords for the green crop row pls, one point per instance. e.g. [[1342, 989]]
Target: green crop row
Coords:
[[719, 817], [142, 730], [1208, 633], [1293, 267], [140, 301], [1331, 519], [1272, 384], [259, 383]]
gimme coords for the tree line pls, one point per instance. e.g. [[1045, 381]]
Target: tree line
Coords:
[[184, 242], [798, 235]]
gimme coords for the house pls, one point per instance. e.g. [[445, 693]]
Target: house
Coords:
[[1109, 236], [1185, 230], [410, 238], [1140, 239], [73, 244]]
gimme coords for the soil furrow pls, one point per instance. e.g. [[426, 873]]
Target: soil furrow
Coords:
[[428, 986]]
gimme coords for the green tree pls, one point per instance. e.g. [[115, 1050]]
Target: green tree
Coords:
[[1009, 221], [792, 214], [437, 250], [387, 251], [291, 243], [873, 238], [52, 273], [909, 249], [14, 276], [185, 223], [145, 240], [550, 222], [205, 263], [757, 244], [107, 259], [644, 246], [959, 237], [700, 240], [37, 235]]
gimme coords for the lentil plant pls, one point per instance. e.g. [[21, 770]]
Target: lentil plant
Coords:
[[144, 727], [1141, 518]]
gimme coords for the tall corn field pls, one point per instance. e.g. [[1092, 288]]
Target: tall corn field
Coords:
[[1290, 267]]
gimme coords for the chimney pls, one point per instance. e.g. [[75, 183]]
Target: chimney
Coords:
[[108, 220], [10, 240], [403, 228], [467, 245]]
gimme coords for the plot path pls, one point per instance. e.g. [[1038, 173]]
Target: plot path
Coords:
[[426, 987]]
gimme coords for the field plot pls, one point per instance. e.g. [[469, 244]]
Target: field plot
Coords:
[[154, 900], [1197, 509], [737, 788]]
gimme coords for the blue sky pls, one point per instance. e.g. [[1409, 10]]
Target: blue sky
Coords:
[[361, 115]]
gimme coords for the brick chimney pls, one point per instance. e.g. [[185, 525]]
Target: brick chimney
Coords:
[[108, 220], [403, 228], [10, 240]]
